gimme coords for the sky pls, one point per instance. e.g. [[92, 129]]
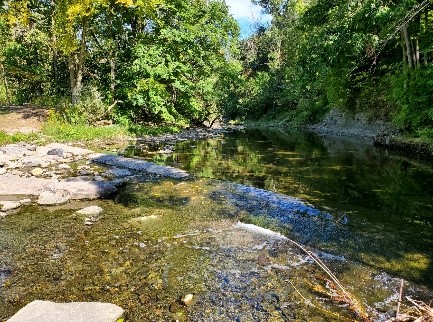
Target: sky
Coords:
[[248, 15]]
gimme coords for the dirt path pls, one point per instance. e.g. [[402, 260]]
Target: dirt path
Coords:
[[24, 119]]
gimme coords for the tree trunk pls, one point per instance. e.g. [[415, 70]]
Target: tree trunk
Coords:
[[417, 52], [409, 52], [426, 26], [5, 84], [76, 64], [55, 54], [113, 74]]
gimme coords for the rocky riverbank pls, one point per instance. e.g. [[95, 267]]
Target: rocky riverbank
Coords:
[[56, 173]]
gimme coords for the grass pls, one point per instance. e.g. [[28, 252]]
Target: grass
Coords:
[[17, 137], [65, 132]]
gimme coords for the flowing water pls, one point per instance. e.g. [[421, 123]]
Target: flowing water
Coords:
[[160, 240]]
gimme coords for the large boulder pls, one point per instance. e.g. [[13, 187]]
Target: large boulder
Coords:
[[71, 312]]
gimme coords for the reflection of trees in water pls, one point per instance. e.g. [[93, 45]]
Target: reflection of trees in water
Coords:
[[387, 200]]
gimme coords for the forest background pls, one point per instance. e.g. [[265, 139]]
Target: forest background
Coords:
[[180, 63]]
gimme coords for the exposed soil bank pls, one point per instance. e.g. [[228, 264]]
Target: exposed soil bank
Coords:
[[379, 133], [338, 123]]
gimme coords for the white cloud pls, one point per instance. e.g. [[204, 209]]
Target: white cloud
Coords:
[[245, 9]]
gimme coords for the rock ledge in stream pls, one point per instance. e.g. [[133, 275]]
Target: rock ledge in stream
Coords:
[[138, 165], [71, 312]]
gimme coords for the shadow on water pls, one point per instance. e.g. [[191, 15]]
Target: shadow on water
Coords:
[[382, 202]]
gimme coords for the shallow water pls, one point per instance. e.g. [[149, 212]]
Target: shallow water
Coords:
[[385, 200], [157, 241]]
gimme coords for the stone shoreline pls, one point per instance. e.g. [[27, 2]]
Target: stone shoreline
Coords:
[[56, 173]]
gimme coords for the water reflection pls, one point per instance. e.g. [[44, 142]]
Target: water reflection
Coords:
[[386, 200]]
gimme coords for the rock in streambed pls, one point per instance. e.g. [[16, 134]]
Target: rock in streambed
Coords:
[[73, 312]]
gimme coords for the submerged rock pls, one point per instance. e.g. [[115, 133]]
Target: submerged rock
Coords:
[[302, 220], [90, 211], [71, 312], [188, 299]]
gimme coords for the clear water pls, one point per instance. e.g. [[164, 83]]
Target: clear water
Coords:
[[386, 200], [160, 240]]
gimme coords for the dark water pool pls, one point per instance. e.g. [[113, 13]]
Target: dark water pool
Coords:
[[385, 200]]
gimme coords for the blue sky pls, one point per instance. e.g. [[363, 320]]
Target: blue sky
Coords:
[[248, 15]]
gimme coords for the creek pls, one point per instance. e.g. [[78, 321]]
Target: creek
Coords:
[[366, 213]]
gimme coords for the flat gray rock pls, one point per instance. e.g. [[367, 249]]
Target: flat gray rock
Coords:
[[50, 198], [45, 311], [138, 165], [84, 189], [15, 185]]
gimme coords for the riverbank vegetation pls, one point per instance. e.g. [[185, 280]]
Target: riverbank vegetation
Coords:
[[181, 63]]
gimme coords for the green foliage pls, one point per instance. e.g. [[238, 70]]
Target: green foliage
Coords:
[[160, 60], [413, 97], [89, 109], [176, 68]]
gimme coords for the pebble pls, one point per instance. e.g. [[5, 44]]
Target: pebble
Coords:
[[37, 172], [187, 299]]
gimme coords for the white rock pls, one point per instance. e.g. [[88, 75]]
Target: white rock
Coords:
[[3, 214], [71, 312], [9, 205], [57, 197], [98, 178], [2, 171], [25, 201], [64, 166], [37, 172], [90, 211], [188, 299]]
